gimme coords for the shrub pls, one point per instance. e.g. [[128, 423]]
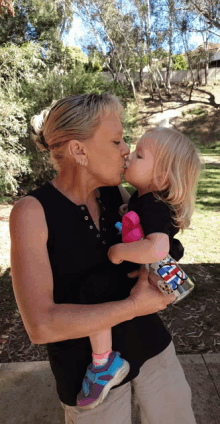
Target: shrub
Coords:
[[14, 162], [26, 87], [179, 62]]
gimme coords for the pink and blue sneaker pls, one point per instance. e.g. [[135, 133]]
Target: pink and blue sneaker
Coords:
[[99, 380]]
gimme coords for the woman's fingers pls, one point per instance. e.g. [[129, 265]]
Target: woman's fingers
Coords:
[[134, 274], [148, 299]]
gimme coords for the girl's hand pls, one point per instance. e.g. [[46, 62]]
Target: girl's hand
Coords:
[[114, 254], [146, 298]]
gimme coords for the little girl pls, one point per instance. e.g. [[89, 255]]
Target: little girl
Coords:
[[164, 169]]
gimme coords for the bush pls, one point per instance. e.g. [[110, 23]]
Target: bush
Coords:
[[26, 87], [13, 126], [179, 62]]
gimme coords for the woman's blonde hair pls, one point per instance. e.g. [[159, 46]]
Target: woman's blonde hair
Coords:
[[176, 172], [74, 117]]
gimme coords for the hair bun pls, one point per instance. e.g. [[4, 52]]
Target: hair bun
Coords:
[[37, 126]]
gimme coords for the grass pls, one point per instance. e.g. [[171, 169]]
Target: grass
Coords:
[[5, 199], [197, 111]]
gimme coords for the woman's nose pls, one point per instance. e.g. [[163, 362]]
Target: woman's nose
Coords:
[[126, 149]]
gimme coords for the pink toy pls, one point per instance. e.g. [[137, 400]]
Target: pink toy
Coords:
[[131, 229]]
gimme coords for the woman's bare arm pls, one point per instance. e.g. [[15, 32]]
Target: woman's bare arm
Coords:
[[32, 278], [45, 321]]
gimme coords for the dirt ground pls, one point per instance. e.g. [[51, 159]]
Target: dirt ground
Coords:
[[193, 323], [205, 128]]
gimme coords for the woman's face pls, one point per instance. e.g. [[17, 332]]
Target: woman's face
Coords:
[[107, 151]]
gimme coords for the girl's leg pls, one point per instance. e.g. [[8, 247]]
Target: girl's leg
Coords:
[[116, 408], [101, 347], [162, 392], [106, 371]]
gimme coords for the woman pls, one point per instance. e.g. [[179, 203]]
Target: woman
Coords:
[[65, 286]]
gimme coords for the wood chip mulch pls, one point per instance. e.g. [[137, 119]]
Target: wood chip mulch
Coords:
[[193, 323]]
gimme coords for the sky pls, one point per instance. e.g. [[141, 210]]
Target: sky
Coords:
[[77, 33]]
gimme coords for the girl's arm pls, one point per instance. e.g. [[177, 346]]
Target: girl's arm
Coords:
[[153, 248]]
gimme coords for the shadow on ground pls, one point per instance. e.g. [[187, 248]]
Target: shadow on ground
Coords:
[[203, 129], [193, 323]]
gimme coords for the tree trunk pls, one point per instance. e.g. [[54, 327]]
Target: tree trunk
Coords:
[[131, 81], [141, 76], [157, 88], [147, 28], [191, 91], [206, 55], [171, 17], [206, 73]]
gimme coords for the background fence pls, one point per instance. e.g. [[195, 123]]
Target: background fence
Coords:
[[175, 76]]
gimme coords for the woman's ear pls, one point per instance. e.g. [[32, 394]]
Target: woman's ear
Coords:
[[77, 150]]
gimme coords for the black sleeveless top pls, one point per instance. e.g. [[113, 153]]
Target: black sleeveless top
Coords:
[[83, 274]]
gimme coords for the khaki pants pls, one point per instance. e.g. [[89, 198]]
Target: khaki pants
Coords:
[[161, 394]]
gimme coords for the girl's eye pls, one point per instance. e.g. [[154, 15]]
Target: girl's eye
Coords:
[[117, 142], [139, 157]]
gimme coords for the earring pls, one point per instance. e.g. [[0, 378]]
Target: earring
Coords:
[[81, 161]]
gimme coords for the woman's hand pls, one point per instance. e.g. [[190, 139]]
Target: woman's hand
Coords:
[[153, 278], [146, 298]]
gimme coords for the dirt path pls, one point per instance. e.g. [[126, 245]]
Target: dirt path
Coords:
[[204, 122]]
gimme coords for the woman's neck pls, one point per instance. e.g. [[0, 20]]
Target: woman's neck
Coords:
[[76, 184]]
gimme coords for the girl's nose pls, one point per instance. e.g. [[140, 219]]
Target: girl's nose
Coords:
[[129, 157]]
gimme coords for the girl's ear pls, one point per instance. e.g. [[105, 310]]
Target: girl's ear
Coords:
[[161, 181]]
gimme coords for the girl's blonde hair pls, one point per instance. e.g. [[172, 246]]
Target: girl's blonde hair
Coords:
[[176, 172], [74, 117]]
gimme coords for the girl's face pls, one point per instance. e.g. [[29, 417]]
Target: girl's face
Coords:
[[140, 166]]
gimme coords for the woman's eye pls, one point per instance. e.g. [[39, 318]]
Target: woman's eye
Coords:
[[117, 142], [139, 157]]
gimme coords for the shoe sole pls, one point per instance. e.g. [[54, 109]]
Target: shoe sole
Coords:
[[117, 379]]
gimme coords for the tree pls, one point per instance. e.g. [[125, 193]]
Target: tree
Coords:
[[38, 20], [143, 31], [179, 62], [114, 29], [73, 57], [6, 6], [192, 21], [171, 17], [209, 9]]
